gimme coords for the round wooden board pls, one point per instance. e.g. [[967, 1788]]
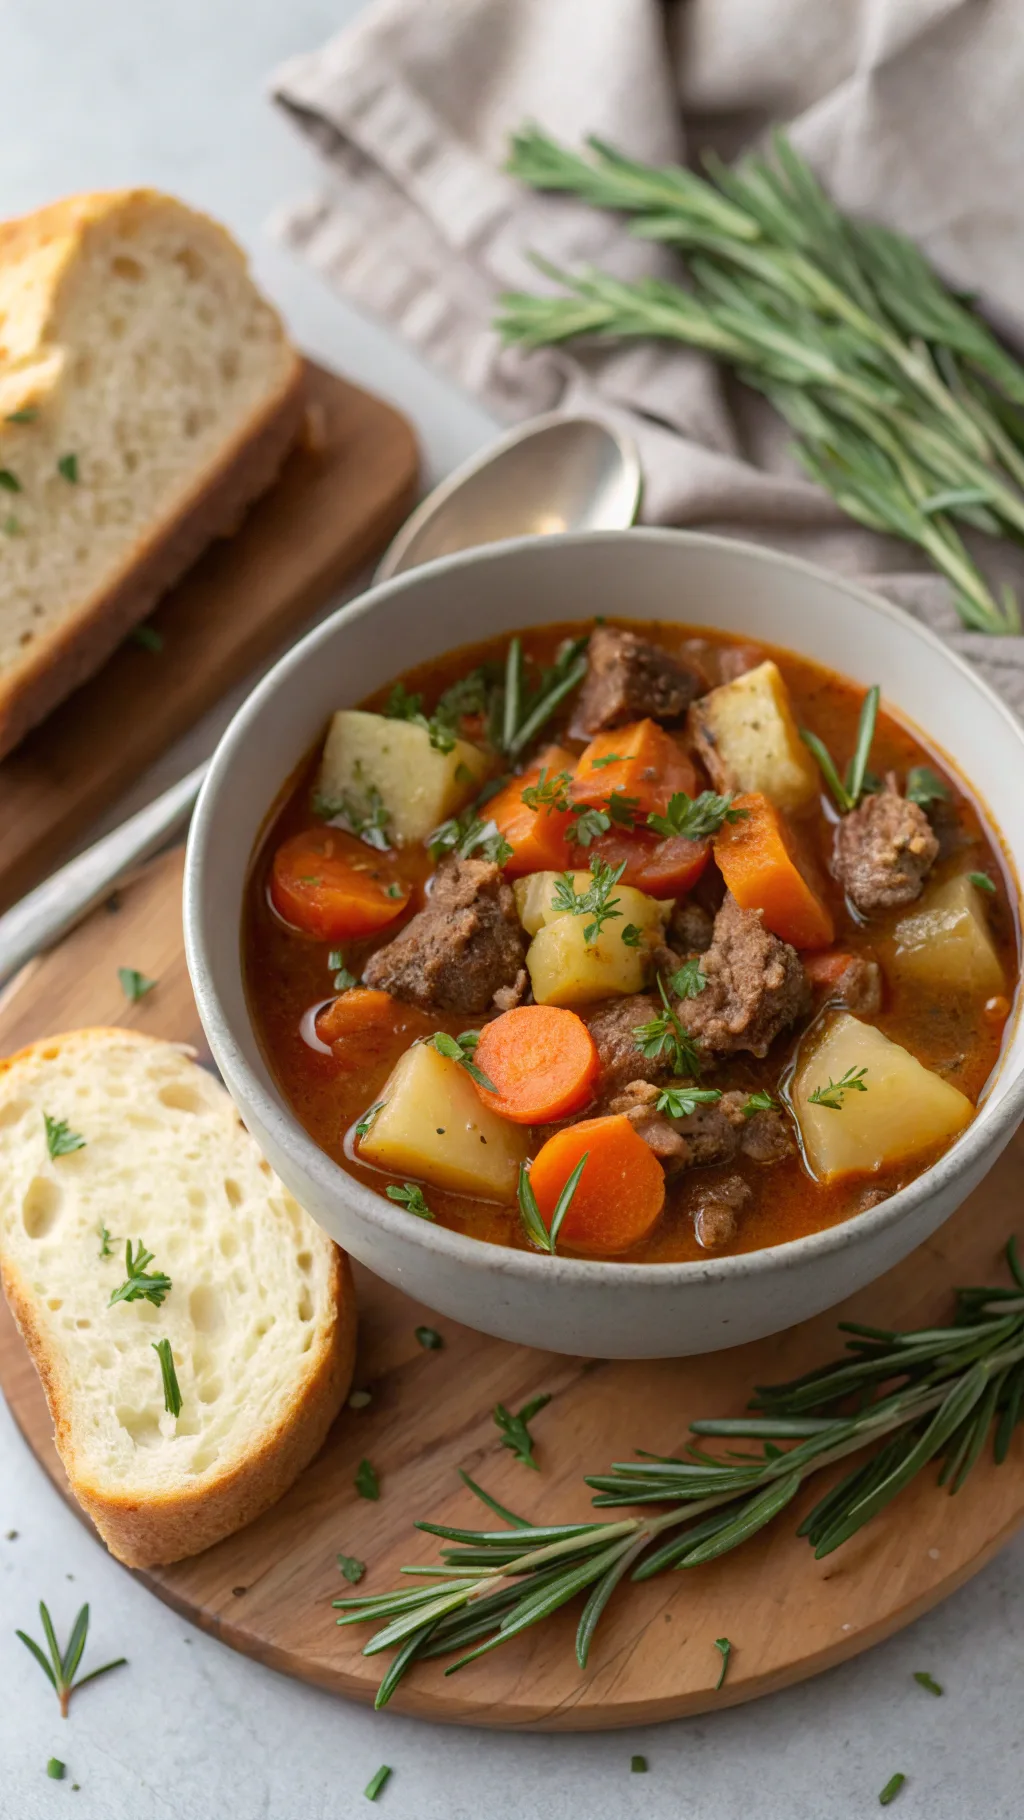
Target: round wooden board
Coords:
[[268, 1590]]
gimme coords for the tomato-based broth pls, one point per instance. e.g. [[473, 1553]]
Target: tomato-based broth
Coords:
[[827, 959]]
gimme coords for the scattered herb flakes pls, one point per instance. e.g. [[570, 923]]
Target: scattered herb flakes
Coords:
[[981, 881], [610, 758], [352, 1569], [368, 1117], [891, 1789], [377, 1781], [134, 984], [515, 1431], [665, 1035], [429, 1339], [27, 414], [690, 980], [695, 817], [588, 824], [343, 980], [139, 1286], [631, 936], [360, 1399], [55, 1769], [923, 787], [9, 482], [394, 889], [366, 1481], [550, 792], [458, 1049], [370, 823], [411, 1196], [926, 1681], [67, 468], [638, 1765], [761, 1101], [172, 1392], [148, 637], [596, 901], [104, 1251], [831, 1096], [680, 1102], [60, 1670], [11, 1535], [724, 1648], [60, 1139]]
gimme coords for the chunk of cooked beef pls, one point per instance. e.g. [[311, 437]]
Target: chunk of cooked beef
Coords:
[[630, 679], [765, 1136], [613, 1024], [736, 660], [465, 950], [858, 987], [884, 850], [716, 1209], [690, 927], [706, 1136], [755, 986]]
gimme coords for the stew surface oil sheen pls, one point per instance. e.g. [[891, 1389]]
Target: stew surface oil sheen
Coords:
[[289, 973]]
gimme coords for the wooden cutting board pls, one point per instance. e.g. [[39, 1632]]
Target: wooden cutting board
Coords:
[[338, 500], [268, 1590]]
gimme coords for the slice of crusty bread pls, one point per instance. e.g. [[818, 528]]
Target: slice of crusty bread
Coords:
[[260, 1314], [147, 394]]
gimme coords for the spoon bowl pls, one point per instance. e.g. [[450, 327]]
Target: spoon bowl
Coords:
[[555, 473]]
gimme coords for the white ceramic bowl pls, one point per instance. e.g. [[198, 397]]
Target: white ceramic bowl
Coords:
[[606, 1310]]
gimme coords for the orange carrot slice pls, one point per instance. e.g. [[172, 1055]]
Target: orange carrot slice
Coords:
[[537, 836], [661, 868], [334, 887], [620, 1193], [758, 858], [543, 1062], [641, 761]]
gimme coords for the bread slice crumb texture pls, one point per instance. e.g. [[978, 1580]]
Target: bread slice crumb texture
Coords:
[[259, 1314]]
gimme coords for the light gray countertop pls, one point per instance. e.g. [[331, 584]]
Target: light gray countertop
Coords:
[[128, 91]]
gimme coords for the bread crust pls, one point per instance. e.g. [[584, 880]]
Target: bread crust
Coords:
[[44, 244], [160, 1528]]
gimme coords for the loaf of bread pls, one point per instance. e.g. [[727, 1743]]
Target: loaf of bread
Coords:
[[108, 1137], [148, 393]]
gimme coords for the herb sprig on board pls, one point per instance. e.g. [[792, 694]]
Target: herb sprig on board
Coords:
[[61, 1666], [911, 1398]]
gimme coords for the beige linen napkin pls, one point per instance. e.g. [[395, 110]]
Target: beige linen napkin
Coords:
[[910, 111]]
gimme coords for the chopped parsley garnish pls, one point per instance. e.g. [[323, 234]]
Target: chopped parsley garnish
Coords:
[[172, 1394], [622, 808], [457, 1049], [760, 1101], [366, 818], [134, 984], [148, 637], [9, 481], [981, 881], [632, 936], [394, 890], [60, 1669], [403, 706], [67, 468], [929, 1684], [891, 1789], [410, 1196], [465, 834], [923, 787], [724, 1647], [60, 1139], [429, 1339], [596, 901], [529, 1212], [550, 792], [377, 1781], [343, 980], [610, 758], [27, 414], [367, 1482], [690, 979], [832, 1095], [638, 1765], [367, 1119], [847, 791], [679, 1102], [352, 1569], [55, 1769], [665, 1035], [695, 817], [588, 824], [515, 1431], [138, 1284]]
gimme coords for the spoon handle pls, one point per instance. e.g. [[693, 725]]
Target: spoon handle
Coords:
[[61, 901]]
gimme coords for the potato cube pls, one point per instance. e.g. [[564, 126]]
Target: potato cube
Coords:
[[418, 786], [904, 1108], [945, 946], [747, 737], [434, 1127], [534, 897], [567, 970]]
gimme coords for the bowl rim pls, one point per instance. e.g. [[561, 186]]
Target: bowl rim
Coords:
[[274, 1115]]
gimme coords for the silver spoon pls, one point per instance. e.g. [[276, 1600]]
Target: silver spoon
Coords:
[[552, 474]]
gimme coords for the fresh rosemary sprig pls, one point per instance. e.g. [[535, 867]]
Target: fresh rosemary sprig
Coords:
[[522, 708], [458, 1049], [906, 408], [540, 1235], [169, 1377], [848, 791], [60, 1669], [138, 1284], [911, 1397]]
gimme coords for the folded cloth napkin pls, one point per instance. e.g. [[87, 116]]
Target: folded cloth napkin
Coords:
[[909, 110]]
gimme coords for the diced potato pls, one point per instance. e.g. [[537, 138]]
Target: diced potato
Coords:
[[434, 1127], [903, 1110], [534, 901], [565, 970], [418, 786], [748, 738], [945, 945]]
